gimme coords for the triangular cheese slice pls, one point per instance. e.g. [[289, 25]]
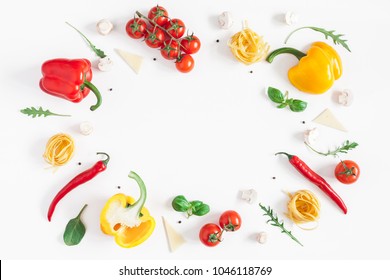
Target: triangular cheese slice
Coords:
[[133, 60], [175, 240], [328, 119]]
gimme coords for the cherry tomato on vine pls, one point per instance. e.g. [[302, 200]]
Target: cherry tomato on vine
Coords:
[[185, 63], [136, 28], [154, 37], [159, 15], [190, 44], [230, 220], [347, 171], [175, 27], [170, 49], [210, 235]]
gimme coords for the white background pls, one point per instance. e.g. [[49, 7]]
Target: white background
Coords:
[[207, 134]]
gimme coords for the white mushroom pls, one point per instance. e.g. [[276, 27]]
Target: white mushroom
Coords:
[[291, 18], [225, 20], [105, 64], [249, 195], [104, 26], [86, 128], [261, 237], [345, 97], [311, 135]]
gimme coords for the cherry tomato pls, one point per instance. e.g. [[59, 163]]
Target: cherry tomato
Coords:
[[170, 49], [347, 171], [190, 44], [210, 235], [230, 220], [136, 28], [175, 27], [159, 15], [185, 63], [154, 37]]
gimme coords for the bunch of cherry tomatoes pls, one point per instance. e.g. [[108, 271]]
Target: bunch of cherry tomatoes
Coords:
[[211, 234], [166, 34]]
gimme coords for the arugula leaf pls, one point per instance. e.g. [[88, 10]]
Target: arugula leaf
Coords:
[[75, 230], [274, 221], [97, 51], [344, 148], [33, 112], [328, 33]]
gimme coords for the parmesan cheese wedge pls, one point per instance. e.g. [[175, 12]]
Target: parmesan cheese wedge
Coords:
[[175, 240], [133, 60], [328, 119]]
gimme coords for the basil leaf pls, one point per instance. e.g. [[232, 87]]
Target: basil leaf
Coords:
[[280, 106], [201, 210], [180, 203], [297, 105], [75, 230], [275, 95]]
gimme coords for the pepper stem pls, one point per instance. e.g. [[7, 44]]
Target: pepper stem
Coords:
[[298, 54], [286, 154], [94, 89], [105, 162], [142, 197]]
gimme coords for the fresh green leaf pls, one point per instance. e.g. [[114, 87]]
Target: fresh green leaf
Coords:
[[195, 207], [75, 230], [297, 105], [201, 210], [274, 221], [97, 51], [328, 33], [344, 148], [281, 106], [180, 204], [33, 112], [275, 95]]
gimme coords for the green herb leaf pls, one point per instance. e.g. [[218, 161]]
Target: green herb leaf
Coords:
[[281, 106], [275, 95], [328, 33], [75, 230], [274, 221], [33, 112], [344, 148], [97, 51], [195, 207], [180, 204], [297, 105], [200, 210]]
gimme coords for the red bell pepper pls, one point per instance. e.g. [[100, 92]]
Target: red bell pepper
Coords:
[[69, 79]]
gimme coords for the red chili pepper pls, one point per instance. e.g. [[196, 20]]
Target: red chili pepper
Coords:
[[69, 79], [77, 181], [315, 179]]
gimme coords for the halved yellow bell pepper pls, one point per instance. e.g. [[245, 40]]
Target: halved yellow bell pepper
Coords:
[[126, 219], [316, 71]]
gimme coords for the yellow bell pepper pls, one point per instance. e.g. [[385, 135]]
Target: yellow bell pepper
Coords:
[[316, 71], [126, 219]]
